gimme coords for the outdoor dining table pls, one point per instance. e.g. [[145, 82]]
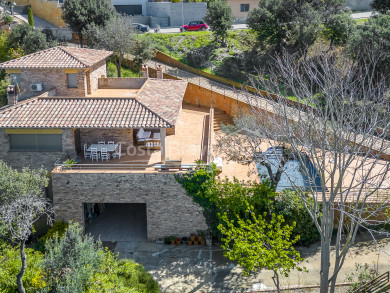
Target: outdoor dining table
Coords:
[[110, 147]]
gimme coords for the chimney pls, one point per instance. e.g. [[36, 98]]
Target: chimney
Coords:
[[12, 95], [159, 71], [145, 71]]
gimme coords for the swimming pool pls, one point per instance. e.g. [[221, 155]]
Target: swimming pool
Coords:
[[292, 171]]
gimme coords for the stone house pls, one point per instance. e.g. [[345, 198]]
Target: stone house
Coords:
[[76, 108], [71, 71]]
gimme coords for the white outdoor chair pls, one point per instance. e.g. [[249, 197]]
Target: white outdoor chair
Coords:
[[104, 154], [86, 153], [111, 142], [119, 153], [94, 154], [101, 142]]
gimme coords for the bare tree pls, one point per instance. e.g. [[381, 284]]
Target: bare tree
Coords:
[[340, 122], [117, 35]]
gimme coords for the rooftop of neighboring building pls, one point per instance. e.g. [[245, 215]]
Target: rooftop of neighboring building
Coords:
[[58, 58]]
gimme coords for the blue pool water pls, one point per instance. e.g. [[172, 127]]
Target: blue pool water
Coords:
[[292, 172]]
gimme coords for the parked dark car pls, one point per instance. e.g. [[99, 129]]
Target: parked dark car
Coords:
[[194, 26], [141, 27]]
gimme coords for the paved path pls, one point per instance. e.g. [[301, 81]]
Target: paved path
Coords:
[[360, 15], [201, 269], [39, 22], [172, 30], [241, 26]]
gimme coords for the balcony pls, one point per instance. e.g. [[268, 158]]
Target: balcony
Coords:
[[189, 142]]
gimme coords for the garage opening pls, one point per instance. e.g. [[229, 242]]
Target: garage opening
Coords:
[[129, 9], [116, 221]]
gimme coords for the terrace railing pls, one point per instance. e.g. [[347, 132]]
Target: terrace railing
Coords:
[[59, 165]]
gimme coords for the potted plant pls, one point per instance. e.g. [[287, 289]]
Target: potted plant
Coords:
[[178, 241], [189, 242], [172, 239], [192, 237], [69, 163], [196, 241], [200, 236], [167, 240], [184, 240]]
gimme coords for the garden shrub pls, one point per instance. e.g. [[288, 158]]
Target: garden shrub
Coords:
[[290, 205], [59, 228], [218, 197], [121, 276], [70, 260], [10, 264], [360, 276]]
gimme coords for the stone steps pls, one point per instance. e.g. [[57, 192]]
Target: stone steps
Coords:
[[220, 117]]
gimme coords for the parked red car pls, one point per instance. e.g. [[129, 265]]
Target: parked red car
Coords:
[[194, 26]]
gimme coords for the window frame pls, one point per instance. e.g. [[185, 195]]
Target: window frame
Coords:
[[244, 7], [68, 79], [35, 143], [17, 75]]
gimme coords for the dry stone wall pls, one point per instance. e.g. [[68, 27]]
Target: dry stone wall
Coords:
[[169, 210]]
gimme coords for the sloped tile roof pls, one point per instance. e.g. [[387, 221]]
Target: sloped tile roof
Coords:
[[164, 97], [58, 57], [65, 112]]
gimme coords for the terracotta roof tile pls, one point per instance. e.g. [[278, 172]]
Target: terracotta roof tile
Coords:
[[58, 57], [164, 97], [64, 112]]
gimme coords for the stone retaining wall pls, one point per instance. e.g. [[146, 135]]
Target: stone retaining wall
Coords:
[[169, 210]]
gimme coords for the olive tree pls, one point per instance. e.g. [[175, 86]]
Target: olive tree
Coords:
[[21, 204], [118, 36], [340, 122]]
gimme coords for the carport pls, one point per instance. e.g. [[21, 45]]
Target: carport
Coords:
[[116, 221]]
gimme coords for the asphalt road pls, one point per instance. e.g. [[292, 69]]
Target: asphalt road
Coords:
[[171, 30]]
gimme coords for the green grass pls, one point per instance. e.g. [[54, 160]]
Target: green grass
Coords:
[[125, 72], [361, 21], [177, 45]]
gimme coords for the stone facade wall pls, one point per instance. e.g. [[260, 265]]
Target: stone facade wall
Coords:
[[177, 11], [96, 72], [93, 135], [35, 160], [169, 210], [53, 78]]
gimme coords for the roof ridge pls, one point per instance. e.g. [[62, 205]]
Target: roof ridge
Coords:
[[83, 98], [27, 56], [19, 104], [64, 50], [170, 124]]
